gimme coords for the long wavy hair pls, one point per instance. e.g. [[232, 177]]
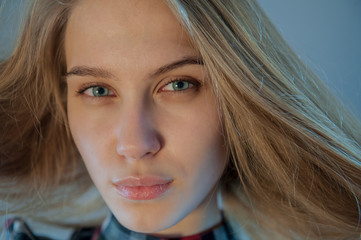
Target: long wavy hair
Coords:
[[294, 167]]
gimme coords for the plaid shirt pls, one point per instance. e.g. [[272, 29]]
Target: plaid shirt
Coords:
[[17, 229]]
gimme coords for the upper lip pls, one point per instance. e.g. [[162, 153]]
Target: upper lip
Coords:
[[135, 181]]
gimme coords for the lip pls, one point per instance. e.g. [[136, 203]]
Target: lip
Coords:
[[142, 188]]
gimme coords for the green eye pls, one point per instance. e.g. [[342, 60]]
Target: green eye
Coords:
[[100, 91], [180, 85]]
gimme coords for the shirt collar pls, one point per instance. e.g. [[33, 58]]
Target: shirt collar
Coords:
[[112, 229]]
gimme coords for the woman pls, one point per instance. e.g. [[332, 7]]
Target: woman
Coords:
[[193, 118]]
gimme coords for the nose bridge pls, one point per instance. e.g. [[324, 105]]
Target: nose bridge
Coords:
[[137, 134]]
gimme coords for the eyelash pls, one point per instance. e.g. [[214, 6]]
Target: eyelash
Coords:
[[85, 87], [195, 84]]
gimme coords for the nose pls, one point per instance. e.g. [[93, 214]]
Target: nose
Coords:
[[137, 135]]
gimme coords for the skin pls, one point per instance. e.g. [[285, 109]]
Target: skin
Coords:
[[143, 125]]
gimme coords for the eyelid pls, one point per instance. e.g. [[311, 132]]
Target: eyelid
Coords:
[[87, 86], [196, 84]]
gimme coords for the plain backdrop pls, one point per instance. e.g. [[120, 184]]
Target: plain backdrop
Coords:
[[326, 34]]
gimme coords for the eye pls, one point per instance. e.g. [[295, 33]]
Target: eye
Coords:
[[178, 85], [96, 91]]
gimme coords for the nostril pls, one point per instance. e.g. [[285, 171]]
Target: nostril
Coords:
[[139, 150], [137, 136]]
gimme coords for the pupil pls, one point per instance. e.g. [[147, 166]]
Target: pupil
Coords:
[[99, 91], [179, 84]]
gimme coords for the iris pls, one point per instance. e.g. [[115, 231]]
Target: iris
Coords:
[[100, 91], [180, 85]]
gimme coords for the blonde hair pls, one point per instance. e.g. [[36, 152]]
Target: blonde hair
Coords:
[[294, 149], [41, 169]]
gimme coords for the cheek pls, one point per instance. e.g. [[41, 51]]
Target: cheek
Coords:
[[200, 149], [198, 146], [91, 134], [208, 166]]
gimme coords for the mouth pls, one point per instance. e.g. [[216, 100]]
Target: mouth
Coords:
[[142, 188]]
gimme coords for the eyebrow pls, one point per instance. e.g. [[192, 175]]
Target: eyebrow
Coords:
[[99, 72]]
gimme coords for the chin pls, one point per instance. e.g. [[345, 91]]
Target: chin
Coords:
[[146, 222], [147, 229]]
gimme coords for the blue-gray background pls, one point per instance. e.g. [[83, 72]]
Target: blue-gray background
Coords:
[[326, 34]]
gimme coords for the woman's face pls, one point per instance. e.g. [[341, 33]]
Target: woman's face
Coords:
[[143, 115]]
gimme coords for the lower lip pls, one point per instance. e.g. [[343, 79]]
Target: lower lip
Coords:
[[142, 192]]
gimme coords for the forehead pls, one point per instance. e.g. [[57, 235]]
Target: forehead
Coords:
[[135, 28]]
